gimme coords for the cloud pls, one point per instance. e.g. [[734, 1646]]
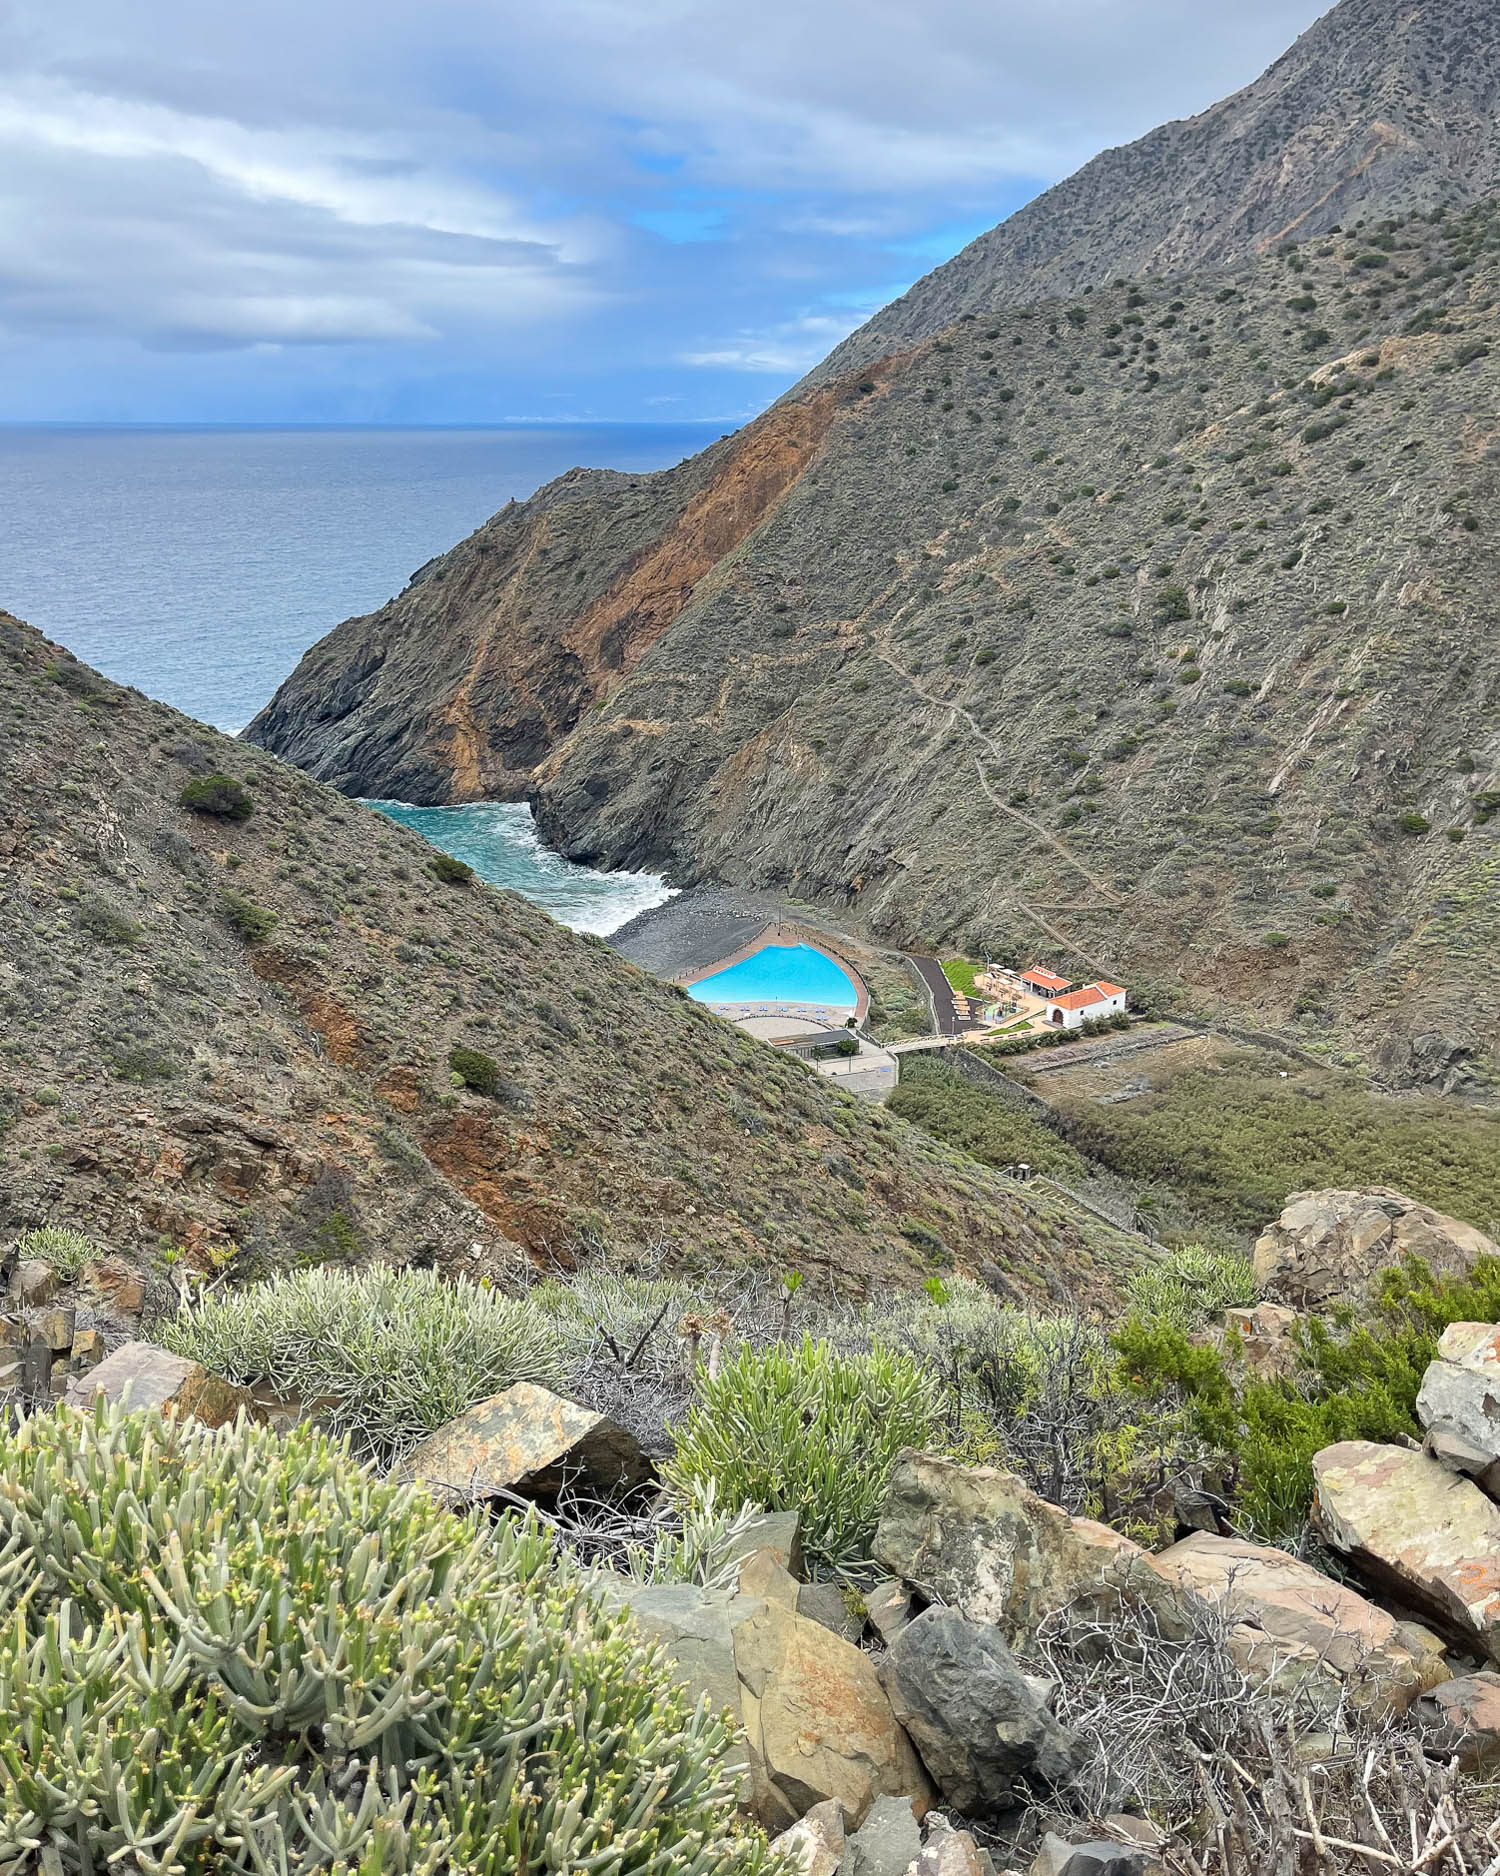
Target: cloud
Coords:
[[462, 207]]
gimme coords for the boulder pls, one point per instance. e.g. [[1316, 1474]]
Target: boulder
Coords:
[[815, 1720], [1459, 1402], [115, 1285], [814, 1845], [1290, 1622], [982, 1730], [33, 1283], [982, 1541], [1326, 1247], [1462, 1718], [886, 1844], [1262, 1338], [1421, 1533], [828, 1604], [55, 1328], [143, 1376], [527, 1441], [1102, 1857], [780, 1532], [888, 1608], [950, 1852]]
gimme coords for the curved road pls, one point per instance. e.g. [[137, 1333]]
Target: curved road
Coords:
[[941, 992]]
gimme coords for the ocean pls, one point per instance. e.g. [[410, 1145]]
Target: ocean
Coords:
[[199, 564]]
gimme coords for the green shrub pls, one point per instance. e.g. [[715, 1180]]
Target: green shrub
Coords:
[[284, 1664], [1414, 823], [475, 1070], [252, 922], [395, 1353], [105, 923], [804, 1428], [218, 795], [141, 1061], [66, 1251], [1276, 940], [963, 1114], [1191, 1284], [450, 870]]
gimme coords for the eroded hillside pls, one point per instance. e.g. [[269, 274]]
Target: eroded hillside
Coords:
[[235, 1036]]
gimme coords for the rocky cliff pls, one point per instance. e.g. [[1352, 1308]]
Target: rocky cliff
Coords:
[[1147, 626], [235, 1036]]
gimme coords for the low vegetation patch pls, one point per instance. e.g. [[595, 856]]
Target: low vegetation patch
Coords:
[[219, 796], [66, 1251], [807, 1428], [962, 1114], [444, 1735], [395, 1353]]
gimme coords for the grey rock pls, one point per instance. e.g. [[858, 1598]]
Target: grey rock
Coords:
[[1101, 1857], [886, 1844], [889, 1608], [777, 1531], [950, 1852], [814, 1845], [55, 1328], [145, 1377], [827, 1603], [981, 1730], [1459, 1402]]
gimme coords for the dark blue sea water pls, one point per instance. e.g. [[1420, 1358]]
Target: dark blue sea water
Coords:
[[199, 564]]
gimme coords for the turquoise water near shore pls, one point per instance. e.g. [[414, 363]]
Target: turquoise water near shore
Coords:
[[198, 564], [499, 840]]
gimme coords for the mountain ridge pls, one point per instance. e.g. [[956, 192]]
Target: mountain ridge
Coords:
[[938, 674]]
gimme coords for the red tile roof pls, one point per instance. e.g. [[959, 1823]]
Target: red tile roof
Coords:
[[1080, 999], [1111, 990], [1036, 975]]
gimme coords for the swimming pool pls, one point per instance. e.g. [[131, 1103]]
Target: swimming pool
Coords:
[[781, 974]]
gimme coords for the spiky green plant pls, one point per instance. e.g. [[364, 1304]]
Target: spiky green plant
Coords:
[[66, 1251], [391, 1354], [225, 1652], [1192, 1284], [806, 1428]]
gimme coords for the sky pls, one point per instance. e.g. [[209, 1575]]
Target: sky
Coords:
[[473, 211]]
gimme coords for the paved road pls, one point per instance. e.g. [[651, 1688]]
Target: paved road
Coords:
[[931, 973]]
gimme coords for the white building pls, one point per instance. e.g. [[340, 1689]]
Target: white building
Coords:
[[1081, 1006]]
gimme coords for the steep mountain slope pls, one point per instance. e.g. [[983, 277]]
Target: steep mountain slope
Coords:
[[946, 680], [235, 1035], [1383, 107]]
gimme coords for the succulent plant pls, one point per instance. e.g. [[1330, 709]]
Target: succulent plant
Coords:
[[224, 1652]]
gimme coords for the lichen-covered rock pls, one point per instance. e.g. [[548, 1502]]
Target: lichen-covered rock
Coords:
[[1462, 1718], [1326, 1247], [1459, 1402], [529, 1441], [984, 1734], [816, 1722], [982, 1541], [1291, 1622], [1262, 1337], [142, 1376], [814, 1845], [1417, 1531]]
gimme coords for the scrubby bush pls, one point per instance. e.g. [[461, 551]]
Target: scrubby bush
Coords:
[[66, 1251], [394, 1354], [1192, 1284], [807, 1428], [283, 1664], [219, 796], [102, 921], [965, 1115], [244, 917], [473, 1069], [450, 870]]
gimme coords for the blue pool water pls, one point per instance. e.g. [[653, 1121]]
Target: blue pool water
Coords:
[[780, 974]]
